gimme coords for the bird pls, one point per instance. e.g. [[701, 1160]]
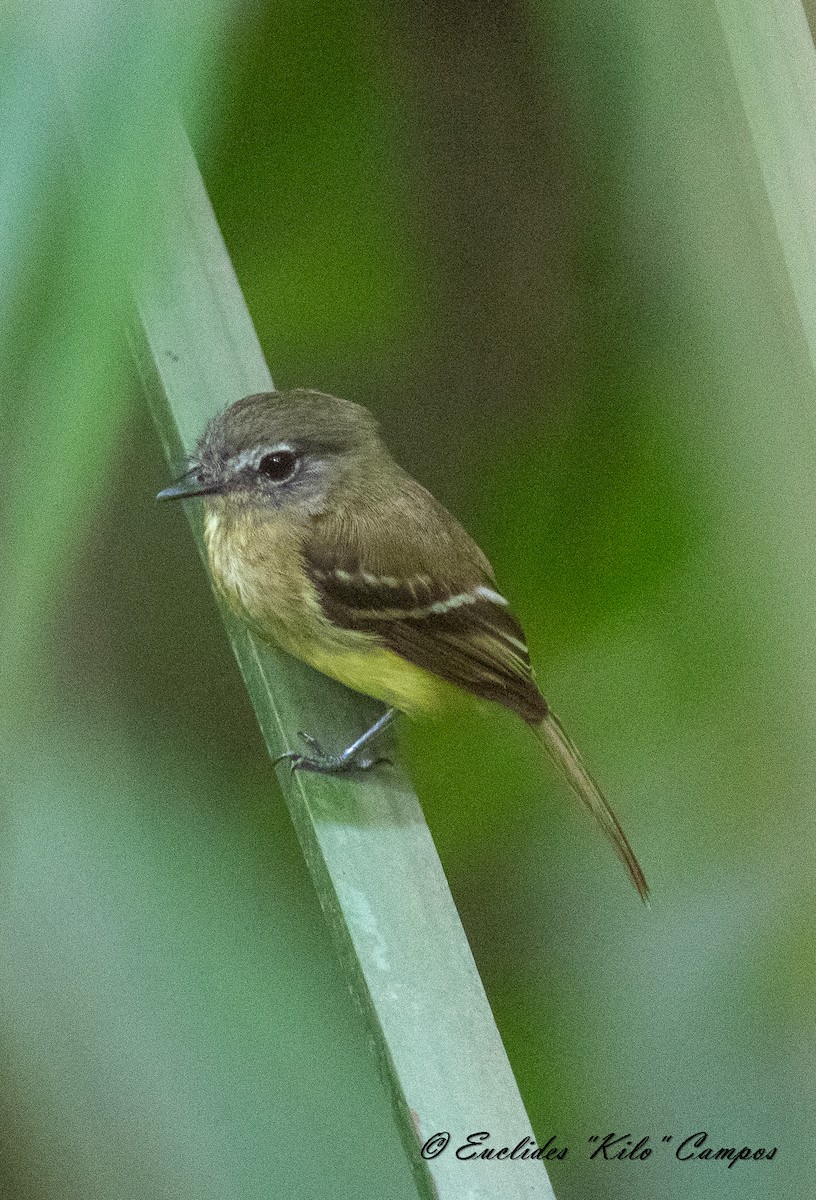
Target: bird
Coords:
[[323, 545]]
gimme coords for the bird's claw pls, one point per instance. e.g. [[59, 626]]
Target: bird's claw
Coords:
[[326, 764]]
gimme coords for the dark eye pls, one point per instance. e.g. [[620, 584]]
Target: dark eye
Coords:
[[279, 465]]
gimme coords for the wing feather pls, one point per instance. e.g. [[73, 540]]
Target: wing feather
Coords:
[[434, 605]]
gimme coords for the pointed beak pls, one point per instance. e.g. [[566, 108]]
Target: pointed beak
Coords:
[[187, 485]]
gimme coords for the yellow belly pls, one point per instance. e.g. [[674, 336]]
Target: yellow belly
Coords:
[[384, 675], [261, 575]]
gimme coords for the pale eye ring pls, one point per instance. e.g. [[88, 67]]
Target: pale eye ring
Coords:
[[278, 465]]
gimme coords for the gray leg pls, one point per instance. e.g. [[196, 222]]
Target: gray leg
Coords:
[[347, 760]]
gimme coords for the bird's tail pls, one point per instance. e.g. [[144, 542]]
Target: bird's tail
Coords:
[[564, 754]]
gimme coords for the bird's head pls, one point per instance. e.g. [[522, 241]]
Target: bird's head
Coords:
[[279, 450]]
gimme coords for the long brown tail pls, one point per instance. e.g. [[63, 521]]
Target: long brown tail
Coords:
[[564, 754]]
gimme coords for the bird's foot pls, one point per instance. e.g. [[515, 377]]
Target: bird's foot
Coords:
[[328, 764]]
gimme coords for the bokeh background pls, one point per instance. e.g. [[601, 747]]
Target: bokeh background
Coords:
[[533, 237]]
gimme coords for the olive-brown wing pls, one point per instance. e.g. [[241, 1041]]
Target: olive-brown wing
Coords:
[[455, 625]]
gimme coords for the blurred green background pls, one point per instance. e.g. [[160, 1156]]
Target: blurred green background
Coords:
[[535, 240]]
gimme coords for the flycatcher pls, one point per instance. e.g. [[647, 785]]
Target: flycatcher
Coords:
[[322, 544]]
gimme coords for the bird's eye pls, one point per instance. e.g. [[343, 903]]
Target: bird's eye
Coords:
[[278, 465]]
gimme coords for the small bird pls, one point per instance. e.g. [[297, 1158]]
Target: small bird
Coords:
[[323, 545]]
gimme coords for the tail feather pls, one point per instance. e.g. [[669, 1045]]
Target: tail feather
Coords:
[[566, 758]]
